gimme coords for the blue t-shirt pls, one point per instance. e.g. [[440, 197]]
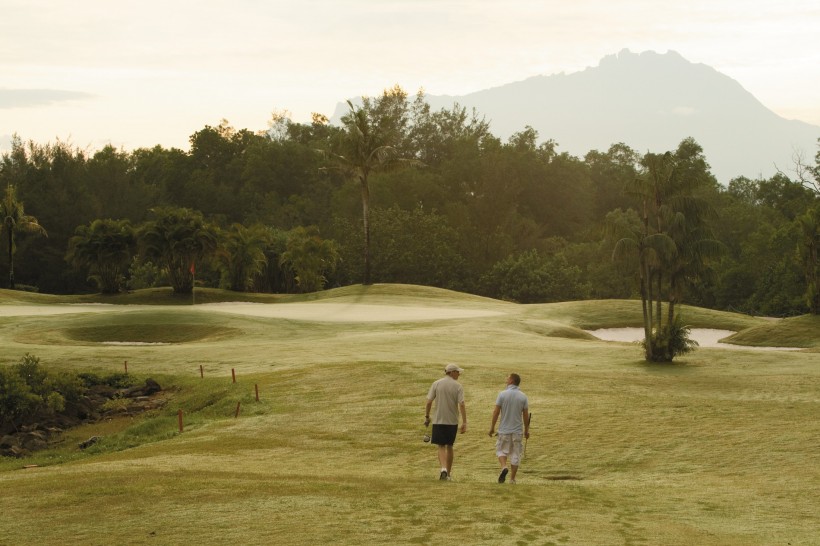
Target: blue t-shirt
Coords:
[[513, 402]]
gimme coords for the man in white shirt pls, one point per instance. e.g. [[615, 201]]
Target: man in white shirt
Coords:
[[449, 396]]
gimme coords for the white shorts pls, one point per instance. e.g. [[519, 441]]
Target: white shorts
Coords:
[[509, 445]]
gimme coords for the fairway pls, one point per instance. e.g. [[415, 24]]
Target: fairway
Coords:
[[717, 448]]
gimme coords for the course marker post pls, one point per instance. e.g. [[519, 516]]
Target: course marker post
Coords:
[[233, 374], [126, 367], [237, 409], [179, 418], [201, 371]]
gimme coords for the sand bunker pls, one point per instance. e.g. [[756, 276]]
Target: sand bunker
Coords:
[[706, 337], [345, 312], [59, 309], [316, 312]]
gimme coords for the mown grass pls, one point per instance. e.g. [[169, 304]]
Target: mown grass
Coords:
[[717, 448]]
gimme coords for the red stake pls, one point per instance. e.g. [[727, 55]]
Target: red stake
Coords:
[[233, 374], [237, 410], [201, 372], [126, 366]]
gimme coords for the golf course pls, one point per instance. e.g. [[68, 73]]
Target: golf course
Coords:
[[719, 447]]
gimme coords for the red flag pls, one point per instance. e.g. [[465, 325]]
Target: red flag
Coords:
[[193, 269]]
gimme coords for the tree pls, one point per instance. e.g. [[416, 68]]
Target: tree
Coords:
[[610, 172], [15, 220], [415, 246], [105, 248], [809, 251], [241, 255], [670, 243], [310, 257], [369, 142], [532, 277], [176, 239]]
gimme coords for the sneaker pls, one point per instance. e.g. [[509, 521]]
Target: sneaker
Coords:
[[512, 482], [503, 475], [443, 475]]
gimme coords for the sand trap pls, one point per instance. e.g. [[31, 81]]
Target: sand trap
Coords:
[[706, 337], [345, 312], [315, 312], [58, 309]]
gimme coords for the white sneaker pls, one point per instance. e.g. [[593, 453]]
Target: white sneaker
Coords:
[[512, 482]]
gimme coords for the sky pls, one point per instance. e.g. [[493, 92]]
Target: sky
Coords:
[[140, 73]]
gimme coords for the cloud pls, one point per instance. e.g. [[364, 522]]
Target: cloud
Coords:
[[30, 98]]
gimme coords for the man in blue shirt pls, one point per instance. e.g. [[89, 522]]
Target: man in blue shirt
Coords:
[[513, 408]]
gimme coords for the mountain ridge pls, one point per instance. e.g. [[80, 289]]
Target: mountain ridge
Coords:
[[649, 101]]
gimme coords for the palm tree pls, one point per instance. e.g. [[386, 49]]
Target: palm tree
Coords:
[[310, 257], [105, 248], [369, 139], [176, 240], [15, 220], [241, 255], [670, 240]]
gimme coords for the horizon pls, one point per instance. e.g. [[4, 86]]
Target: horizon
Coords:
[[124, 76]]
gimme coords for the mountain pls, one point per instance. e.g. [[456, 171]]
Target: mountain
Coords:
[[651, 102]]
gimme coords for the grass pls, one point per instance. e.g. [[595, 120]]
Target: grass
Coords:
[[718, 448]]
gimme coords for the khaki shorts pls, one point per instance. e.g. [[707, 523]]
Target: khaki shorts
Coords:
[[510, 445]]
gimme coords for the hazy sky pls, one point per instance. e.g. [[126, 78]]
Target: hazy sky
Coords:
[[141, 73]]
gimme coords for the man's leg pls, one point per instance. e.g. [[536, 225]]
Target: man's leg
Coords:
[[502, 448], [442, 460], [449, 459], [515, 458]]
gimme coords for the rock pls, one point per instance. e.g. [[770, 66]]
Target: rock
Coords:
[[150, 387], [34, 441], [90, 442]]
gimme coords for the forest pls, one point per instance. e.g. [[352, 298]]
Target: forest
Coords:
[[399, 193]]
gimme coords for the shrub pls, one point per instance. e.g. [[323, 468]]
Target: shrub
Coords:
[[671, 341], [16, 398], [27, 389], [532, 277]]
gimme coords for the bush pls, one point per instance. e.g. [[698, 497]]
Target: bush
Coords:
[[27, 389], [671, 341], [532, 277], [16, 399]]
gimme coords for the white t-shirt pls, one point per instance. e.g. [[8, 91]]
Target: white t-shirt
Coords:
[[448, 394]]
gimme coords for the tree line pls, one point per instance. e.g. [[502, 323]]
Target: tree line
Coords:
[[401, 193]]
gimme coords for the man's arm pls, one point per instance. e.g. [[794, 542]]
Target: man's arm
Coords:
[[427, 412], [496, 413], [463, 407]]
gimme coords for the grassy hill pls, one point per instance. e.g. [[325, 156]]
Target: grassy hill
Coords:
[[716, 448]]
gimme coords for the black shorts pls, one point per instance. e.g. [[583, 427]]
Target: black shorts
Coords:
[[444, 435]]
